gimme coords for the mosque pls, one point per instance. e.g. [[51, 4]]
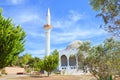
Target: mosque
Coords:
[[68, 59]]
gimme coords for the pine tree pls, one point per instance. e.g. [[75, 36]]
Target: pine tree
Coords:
[[12, 40]]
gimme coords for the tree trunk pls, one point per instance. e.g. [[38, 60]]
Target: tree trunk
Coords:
[[0, 72], [48, 74]]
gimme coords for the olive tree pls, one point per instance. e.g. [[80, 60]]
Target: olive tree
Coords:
[[109, 11], [102, 60]]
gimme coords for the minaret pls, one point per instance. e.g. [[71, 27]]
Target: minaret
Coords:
[[47, 28]]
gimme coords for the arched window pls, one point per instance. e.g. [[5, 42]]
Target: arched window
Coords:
[[72, 60], [63, 60]]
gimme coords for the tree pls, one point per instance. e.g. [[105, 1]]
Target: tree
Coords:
[[51, 62], [36, 63], [23, 60], [109, 10], [12, 40], [15, 61], [84, 48], [103, 60]]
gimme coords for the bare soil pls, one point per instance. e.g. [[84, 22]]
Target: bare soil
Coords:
[[52, 77]]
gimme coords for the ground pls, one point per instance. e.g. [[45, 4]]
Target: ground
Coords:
[[52, 77]]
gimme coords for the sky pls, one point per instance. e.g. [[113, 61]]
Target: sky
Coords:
[[70, 19]]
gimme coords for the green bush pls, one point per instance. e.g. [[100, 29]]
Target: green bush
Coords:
[[3, 72], [28, 70]]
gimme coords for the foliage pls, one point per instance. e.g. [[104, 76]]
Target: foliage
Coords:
[[103, 60], [23, 60], [85, 47], [15, 61], [29, 63], [109, 11], [3, 71], [35, 63], [51, 62], [11, 41]]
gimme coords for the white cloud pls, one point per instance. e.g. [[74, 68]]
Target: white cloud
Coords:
[[28, 14], [26, 17], [36, 34], [75, 16], [64, 37], [40, 53], [16, 1], [72, 18], [12, 2], [35, 52], [69, 28]]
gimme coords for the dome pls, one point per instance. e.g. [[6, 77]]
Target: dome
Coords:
[[74, 45]]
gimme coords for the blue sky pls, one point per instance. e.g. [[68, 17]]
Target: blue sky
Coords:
[[71, 20]]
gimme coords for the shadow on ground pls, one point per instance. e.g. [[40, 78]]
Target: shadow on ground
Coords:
[[38, 76]]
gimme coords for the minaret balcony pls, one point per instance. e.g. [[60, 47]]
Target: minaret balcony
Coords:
[[47, 27]]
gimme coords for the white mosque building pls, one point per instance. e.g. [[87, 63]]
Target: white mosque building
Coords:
[[68, 56], [68, 59]]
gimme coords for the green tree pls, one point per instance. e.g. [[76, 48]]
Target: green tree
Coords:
[[15, 61], [36, 63], [11, 41], [23, 60], [51, 62], [109, 11], [103, 60]]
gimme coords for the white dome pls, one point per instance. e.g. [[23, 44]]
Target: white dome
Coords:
[[74, 45]]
